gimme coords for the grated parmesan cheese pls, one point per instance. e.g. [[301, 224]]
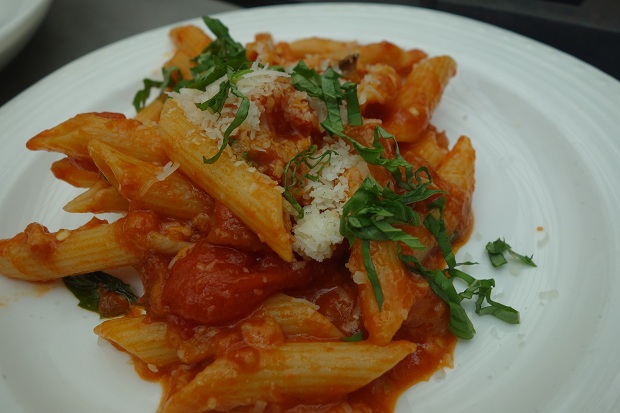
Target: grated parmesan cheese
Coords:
[[167, 170], [261, 81], [318, 232]]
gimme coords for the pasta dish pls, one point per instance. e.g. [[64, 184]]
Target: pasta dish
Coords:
[[291, 214]]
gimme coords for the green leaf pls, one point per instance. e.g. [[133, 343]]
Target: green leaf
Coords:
[[240, 116], [293, 180], [460, 323], [216, 103], [437, 228], [142, 95], [327, 87], [87, 288], [372, 273], [497, 249], [359, 336], [354, 114], [224, 46]]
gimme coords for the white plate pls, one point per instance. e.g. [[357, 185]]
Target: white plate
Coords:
[[18, 21], [545, 127]]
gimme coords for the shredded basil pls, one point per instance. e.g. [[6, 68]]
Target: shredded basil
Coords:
[[223, 57], [327, 87], [292, 179], [140, 98], [87, 288], [376, 213], [499, 247], [359, 336]]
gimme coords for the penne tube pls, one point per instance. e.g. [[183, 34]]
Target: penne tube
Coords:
[[38, 255], [127, 135], [140, 338], [378, 87], [319, 46], [189, 42], [298, 317], [166, 245], [67, 171], [150, 113], [429, 146], [99, 199], [189, 39], [388, 53], [295, 317], [458, 167], [399, 288], [252, 196], [148, 186], [181, 61], [291, 371], [419, 97]]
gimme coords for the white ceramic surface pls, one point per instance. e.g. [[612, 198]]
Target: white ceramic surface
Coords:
[[18, 21], [546, 131]]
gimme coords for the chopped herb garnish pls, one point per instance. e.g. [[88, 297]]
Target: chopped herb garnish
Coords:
[[327, 87], [373, 213], [222, 58], [90, 288], [376, 213], [359, 336], [442, 281], [292, 178], [139, 100], [240, 116], [499, 247]]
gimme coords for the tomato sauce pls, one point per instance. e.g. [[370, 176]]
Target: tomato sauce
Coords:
[[225, 277]]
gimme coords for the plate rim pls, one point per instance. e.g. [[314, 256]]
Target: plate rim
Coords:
[[226, 15]]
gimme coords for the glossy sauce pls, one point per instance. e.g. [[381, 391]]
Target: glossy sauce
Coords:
[[221, 286]]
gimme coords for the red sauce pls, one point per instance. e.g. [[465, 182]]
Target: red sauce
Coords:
[[213, 285], [221, 286]]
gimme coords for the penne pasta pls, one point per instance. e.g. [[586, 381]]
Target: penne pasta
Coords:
[[399, 289], [319, 46], [388, 53], [38, 255], [140, 338], [378, 88], [128, 135], [295, 318], [147, 186], [269, 208], [458, 166], [67, 171], [151, 112], [230, 181], [284, 372], [190, 39], [419, 97], [100, 198], [298, 317], [430, 147]]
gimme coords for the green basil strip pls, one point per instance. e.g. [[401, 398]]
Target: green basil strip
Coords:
[[372, 273], [86, 288]]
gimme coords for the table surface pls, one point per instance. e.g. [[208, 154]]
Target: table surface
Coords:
[[73, 28]]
